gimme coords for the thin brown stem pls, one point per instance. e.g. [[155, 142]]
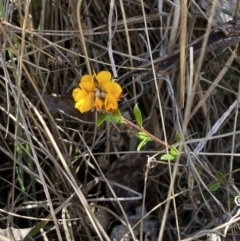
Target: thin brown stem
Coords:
[[145, 131]]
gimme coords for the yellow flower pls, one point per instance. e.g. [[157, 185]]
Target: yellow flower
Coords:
[[97, 92]]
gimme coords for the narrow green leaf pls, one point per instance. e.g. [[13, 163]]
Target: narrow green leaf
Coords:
[[138, 115], [221, 177], [214, 186], [199, 170], [35, 230], [142, 136], [2, 15], [178, 137], [227, 12], [142, 144], [43, 223], [167, 157], [101, 119], [231, 201], [174, 151]]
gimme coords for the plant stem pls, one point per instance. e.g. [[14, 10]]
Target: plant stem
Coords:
[[145, 131]]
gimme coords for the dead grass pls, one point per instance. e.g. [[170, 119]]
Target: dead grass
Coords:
[[59, 171]]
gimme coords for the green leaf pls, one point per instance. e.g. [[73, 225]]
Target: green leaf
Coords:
[[227, 12], [115, 119], [101, 119], [43, 223], [35, 230], [199, 170], [214, 186], [2, 15], [117, 113], [178, 137], [36, 9], [167, 157], [138, 115], [231, 201], [174, 151], [221, 177], [142, 144], [142, 136]]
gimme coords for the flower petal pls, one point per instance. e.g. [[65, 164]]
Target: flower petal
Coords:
[[78, 94], [113, 88], [98, 103], [87, 78], [85, 104], [87, 86], [75, 92], [103, 77], [110, 103], [84, 107]]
